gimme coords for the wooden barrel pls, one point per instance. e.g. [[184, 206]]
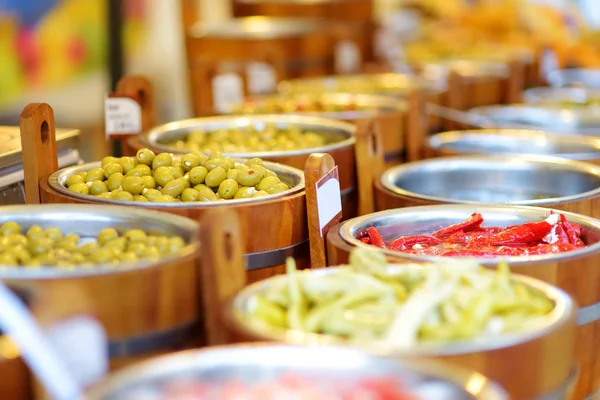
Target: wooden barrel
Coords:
[[518, 180], [358, 12], [390, 115], [509, 142], [527, 365], [340, 137], [280, 48], [575, 272]]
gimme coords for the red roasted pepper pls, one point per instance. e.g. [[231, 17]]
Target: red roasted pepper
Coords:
[[524, 233], [471, 223], [375, 237], [408, 241], [571, 232]]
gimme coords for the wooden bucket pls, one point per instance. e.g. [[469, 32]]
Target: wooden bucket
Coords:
[[283, 48], [575, 272], [358, 12], [400, 126], [510, 142], [526, 365], [275, 227]]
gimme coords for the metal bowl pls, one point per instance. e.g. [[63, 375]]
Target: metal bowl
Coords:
[[515, 142], [293, 177], [87, 221], [575, 77], [424, 220], [384, 83], [554, 119], [160, 136], [566, 97], [258, 27], [371, 105], [257, 363], [472, 69], [523, 180]]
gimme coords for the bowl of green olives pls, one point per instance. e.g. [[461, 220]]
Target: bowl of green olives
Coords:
[[266, 136], [45, 241], [167, 180]]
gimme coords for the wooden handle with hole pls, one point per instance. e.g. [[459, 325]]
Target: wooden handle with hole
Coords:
[[140, 89], [454, 97], [38, 143], [416, 121], [516, 82], [370, 163], [223, 268], [317, 166]]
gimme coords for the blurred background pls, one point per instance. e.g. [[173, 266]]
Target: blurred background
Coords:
[[56, 51]]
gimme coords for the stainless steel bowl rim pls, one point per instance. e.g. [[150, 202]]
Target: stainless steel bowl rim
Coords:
[[228, 121], [329, 84], [258, 27], [350, 227], [562, 312], [557, 94], [476, 69], [440, 140], [43, 211], [589, 77], [388, 178], [56, 182], [382, 104], [343, 357]]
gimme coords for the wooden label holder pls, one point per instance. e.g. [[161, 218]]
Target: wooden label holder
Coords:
[[318, 165], [415, 132], [370, 163]]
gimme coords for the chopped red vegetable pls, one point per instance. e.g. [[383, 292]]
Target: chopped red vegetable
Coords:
[[555, 234]]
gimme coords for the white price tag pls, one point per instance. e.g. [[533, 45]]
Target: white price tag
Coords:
[[261, 78], [329, 198], [347, 57], [228, 91], [548, 63], [122, 115], [82, 345]]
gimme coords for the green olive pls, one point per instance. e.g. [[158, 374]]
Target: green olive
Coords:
[[215, 154], [88, 248], [233, 173], [133, 184], [9, 228], [112, 169], [268, 172], [72, 237], [277, 188], [82, 174], [151, 194], [151, 252], [162, 160], [109, 160], [139, 197], [35, 232], [119, 243], [128, 256], [97, 188], [102, 256], [162, 176], [15, 239], [114, 182], [127, 163], [250, 177], [213, 163], [135, 235], [215, 177], [175, 244], [267, 182], [255, 161], [8, 259], [190, 195], [121, 196], [33, 263], [163, 199], [94, 174], [228, 188], [22, 256], [244, 192], [174, 188], [80, 188], [52, 233], [260, 193], [140, 170], [107, 235], [73, 180], [105, 195], [138, 248], [197, 175], [190, 161], [40, 245], [205, 193], [149, 182], [176, 171], [145, 156]]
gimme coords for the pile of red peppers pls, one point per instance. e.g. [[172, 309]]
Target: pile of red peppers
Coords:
[[469, 239]]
